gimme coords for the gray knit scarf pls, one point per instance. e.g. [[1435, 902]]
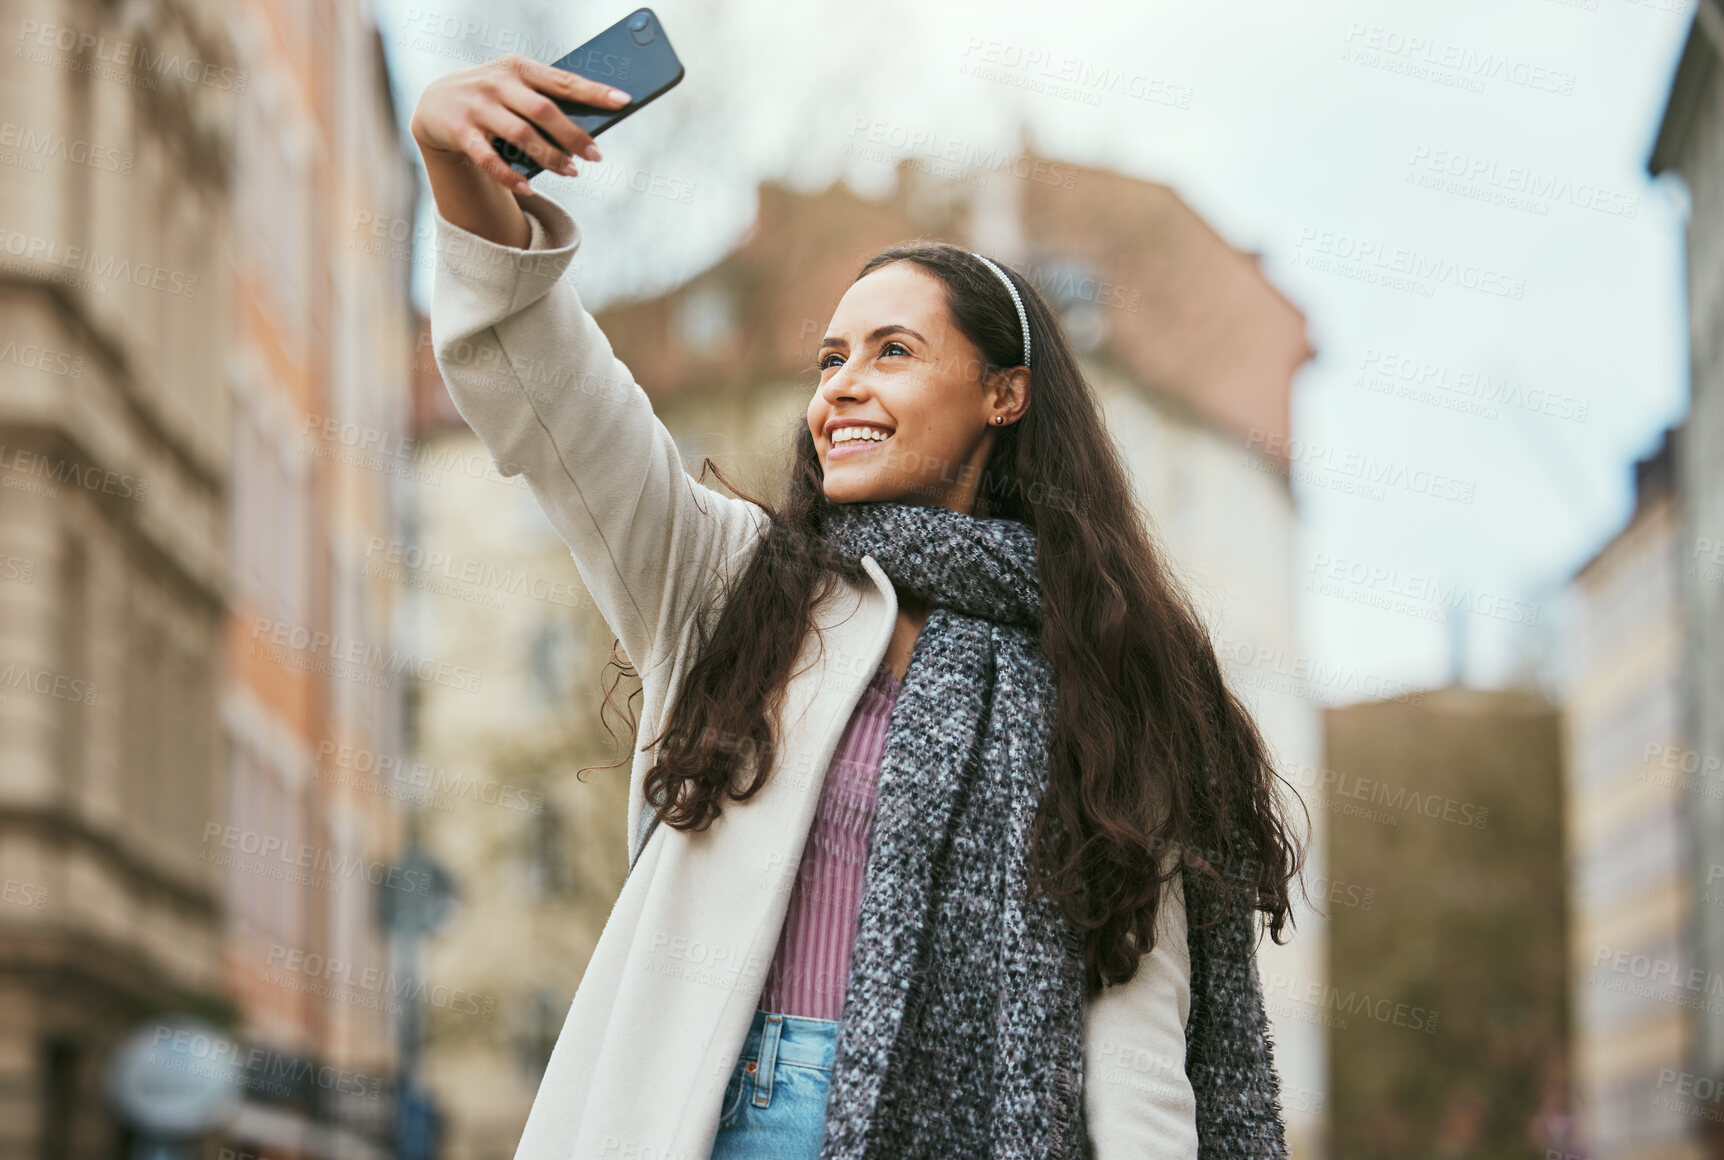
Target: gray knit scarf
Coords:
[[962, 1031], [963, 1018]]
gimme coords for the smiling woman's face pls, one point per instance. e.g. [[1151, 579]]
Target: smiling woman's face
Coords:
[[901, 412]]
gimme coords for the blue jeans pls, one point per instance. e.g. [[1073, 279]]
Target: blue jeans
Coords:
[[775, 1106]]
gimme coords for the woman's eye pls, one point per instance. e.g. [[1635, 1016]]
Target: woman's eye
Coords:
[[826, 364]]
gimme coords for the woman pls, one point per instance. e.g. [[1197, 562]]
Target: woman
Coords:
[[942, 753]]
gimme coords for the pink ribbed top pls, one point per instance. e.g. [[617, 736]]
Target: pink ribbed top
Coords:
[[812, 963]]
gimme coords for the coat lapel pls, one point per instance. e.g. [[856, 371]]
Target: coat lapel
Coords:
[[665, 1005]]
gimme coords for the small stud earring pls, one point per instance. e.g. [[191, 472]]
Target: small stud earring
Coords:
[[998, 419]]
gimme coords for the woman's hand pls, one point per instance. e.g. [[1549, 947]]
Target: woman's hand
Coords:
[[457, 116], [461, 112]]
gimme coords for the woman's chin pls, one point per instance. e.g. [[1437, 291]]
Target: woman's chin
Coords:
[[842, 487], [847, 493]]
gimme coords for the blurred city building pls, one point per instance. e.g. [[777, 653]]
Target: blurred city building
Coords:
[[1690, 145], [1193, 354], [1630, 889], [317, 367], [197, 324], [1446, 1002], [114, 458]]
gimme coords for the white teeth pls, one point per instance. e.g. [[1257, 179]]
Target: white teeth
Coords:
[[852, 434]]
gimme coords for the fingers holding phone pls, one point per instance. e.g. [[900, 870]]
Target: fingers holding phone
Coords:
[[514, 99], [634, 51], [538, 116], [484, 131]]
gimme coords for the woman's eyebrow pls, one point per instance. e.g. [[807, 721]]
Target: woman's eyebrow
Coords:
[[877, 333]]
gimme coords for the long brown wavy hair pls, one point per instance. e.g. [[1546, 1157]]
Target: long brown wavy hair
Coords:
[[1151, 750]]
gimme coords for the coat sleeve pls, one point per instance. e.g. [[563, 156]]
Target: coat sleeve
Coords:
[[531, 372], [1137, 1100]]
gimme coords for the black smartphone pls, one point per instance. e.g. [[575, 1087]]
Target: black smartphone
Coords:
[[634, 55]]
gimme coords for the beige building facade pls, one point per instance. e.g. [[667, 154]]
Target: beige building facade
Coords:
[[1630, 892], [113, 547], [186, 321]]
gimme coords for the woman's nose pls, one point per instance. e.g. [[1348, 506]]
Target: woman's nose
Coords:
[[842, 386]]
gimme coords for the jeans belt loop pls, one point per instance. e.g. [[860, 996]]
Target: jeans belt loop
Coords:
[[768, 1060]]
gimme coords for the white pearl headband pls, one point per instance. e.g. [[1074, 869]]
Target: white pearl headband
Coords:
[[1023, 318]]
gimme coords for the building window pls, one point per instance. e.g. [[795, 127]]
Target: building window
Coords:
[[551, 661], [263, 808], [59, 1097], [73, 664], [268, 518], [1072, 289], [272, 212], [541, 1019], [141, 714], [705, 318], [547, 865]]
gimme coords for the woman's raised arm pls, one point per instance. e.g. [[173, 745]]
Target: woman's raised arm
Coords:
[[535, 377]]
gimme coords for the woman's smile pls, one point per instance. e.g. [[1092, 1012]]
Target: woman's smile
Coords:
[[847, 437], [856, 440]]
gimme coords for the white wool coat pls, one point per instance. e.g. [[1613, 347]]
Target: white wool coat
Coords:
[[645, 1053]]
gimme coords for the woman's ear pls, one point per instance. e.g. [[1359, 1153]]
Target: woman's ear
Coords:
[[1009, 394]]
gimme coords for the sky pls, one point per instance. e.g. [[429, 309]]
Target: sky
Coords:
[[1454, 194]]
